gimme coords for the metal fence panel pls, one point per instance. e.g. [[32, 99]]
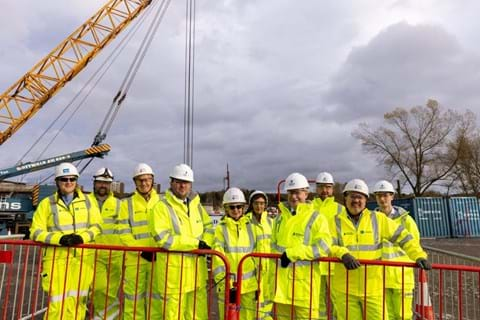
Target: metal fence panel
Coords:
[[185, 276]]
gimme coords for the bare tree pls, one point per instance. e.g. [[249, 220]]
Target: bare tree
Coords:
[[413, 145], [466, 175]]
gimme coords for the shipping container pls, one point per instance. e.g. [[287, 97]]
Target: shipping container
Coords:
[[464, 216], [432, 217]]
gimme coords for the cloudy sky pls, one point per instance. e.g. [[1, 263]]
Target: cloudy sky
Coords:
[[279, 85]]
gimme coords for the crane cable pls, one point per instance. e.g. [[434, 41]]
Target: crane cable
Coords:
[[128, 80], [131, 73], [112, 57], [129, 77], [189, 82]]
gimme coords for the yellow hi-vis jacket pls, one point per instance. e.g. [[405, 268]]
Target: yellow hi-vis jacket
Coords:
[[53, 219], [133, 224], [303, 236], [364, 240], [177, 226], [263, 235], [263, 231], [235, 239], [109, 211], [329, 208], [392, 252]]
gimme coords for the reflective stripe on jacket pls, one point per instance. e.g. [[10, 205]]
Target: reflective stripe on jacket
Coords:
[[303, 236], [177, 226], [133, 223], [364, 241], [53, 219], [263, 231], [235, 239], [329, 208], [110, 211], [393, 252]]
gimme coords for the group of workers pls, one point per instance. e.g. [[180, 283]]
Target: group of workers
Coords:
[[172, 283]]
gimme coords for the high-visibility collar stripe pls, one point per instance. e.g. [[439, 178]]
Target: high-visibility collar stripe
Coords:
[[339, 208]]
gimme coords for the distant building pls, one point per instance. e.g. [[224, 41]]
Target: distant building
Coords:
[[118, 187]]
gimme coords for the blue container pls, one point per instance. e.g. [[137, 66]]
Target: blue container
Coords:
[[406, 204], [372, 205], [465, 216], [432, 217]]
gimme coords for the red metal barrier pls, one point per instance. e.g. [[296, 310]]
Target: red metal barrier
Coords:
[[453, 290], [462, 283], [22, 293]]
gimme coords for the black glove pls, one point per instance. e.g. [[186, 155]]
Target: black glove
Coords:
[[76, 239], [284, 261], [350, 262], [233, 295], [67, 240], [149, 256], [424, 264], [203, 245]]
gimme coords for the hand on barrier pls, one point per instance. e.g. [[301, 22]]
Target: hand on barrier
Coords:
[[67, 240], [203, 245], [424, 264], [233, 295], [149, 256], [350, 262], [284, 261], [76, 239]]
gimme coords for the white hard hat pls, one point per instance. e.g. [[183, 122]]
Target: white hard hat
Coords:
[[233, 195], [66, 169], [296, 181], [182, 172], [383, 186], [142, 168], [324, 177], [103, 174], [255, 193], [356, 185]]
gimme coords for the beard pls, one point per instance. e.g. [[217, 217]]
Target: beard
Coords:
[[102, 191]]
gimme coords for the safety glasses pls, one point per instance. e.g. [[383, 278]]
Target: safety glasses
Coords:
[[237, 206], [66, 179]]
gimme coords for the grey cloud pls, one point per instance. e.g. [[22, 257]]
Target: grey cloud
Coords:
[[403, 65]]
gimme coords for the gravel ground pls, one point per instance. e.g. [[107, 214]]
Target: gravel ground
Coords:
[[466, 246]]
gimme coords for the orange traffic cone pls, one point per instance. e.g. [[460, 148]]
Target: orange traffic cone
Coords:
[[423, 305]]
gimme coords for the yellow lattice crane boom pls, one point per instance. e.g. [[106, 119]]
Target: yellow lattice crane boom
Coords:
[[27, 96]]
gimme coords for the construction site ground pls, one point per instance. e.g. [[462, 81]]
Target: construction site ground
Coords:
[[465, 246]]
